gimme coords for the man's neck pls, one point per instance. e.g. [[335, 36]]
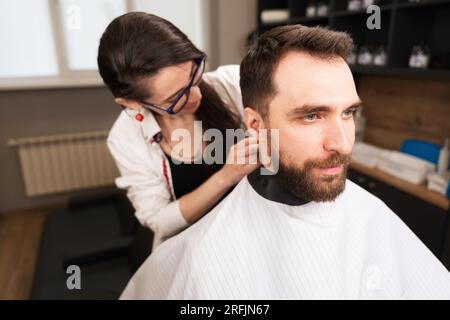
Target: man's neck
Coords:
[[269, 187]]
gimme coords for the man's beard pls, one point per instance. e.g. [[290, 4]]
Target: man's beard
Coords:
[[313, 186]]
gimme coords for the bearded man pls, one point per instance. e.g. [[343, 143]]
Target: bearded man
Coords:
[[305, 232]]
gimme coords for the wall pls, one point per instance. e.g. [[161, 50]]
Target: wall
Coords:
[[232, 22], [42, 112], [405, 108]]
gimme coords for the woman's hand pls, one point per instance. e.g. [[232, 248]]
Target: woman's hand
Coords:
[[242, 160]]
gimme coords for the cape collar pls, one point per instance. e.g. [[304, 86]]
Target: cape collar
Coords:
[[269, 187]]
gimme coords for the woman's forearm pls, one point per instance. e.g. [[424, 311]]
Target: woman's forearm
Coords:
[[198, 202], [195, 204]]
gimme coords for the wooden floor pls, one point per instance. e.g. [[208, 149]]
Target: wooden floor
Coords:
[[20, 233]]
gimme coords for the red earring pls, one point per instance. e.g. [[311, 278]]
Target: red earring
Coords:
[[139, 117]]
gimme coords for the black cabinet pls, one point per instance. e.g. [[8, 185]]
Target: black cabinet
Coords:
[[404, 25], [428, 222]]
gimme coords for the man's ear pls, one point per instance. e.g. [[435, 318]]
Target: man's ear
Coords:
[[253, 119], [128, 103]]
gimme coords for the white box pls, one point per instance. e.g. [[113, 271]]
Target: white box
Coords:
[[405, 166], [275, 16], [366, 154]]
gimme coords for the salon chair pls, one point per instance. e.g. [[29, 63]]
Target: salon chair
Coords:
[[97, 232]]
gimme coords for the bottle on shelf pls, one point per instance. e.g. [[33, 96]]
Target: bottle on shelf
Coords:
[[380, 56], [420, 57], [351, 59], [322, 8], [311, 8], [366, 3], [365, 56], [444, 158], [354, 5]]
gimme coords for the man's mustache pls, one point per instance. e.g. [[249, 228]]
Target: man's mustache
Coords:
[[333, 160]]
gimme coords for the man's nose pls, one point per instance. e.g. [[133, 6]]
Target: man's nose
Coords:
[[338, 137]]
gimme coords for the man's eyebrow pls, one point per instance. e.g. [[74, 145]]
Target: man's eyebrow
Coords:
[[307, 109], [355, 105], [179, 91]]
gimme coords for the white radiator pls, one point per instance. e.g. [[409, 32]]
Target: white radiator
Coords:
[[65, 162]]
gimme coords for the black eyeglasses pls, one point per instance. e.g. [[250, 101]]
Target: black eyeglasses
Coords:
[[182, 98]]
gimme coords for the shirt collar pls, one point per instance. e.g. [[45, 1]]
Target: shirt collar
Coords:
[[150, 127]]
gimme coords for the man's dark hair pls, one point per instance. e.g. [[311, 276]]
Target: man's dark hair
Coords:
[[261, 60]]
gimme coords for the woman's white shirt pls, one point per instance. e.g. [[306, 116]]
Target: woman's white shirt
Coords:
[[144, 170]]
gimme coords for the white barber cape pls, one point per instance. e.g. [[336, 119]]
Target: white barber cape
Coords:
[[249, 247]]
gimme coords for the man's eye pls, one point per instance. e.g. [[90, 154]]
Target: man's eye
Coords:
[[311, 117], [349, 113]]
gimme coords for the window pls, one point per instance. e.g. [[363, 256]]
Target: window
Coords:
[[53, 43], [27, 42], [84, 23], [189, 16]]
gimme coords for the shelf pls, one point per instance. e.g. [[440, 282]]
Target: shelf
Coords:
[[401, 72], [302, 20], [338, 14], [274, 24], [402, 28], [346, 13], [421, 4], [419, 191], [270, 4]]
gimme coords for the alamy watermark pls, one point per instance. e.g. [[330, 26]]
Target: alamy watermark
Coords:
[[73, 281], [374, 21], [73, 17], [267, 152]]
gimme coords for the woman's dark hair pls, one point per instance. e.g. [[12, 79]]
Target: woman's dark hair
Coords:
[[136, 45]]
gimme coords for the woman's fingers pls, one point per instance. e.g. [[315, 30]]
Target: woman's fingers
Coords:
[[252, 150], [245, 142], [245, 155]]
